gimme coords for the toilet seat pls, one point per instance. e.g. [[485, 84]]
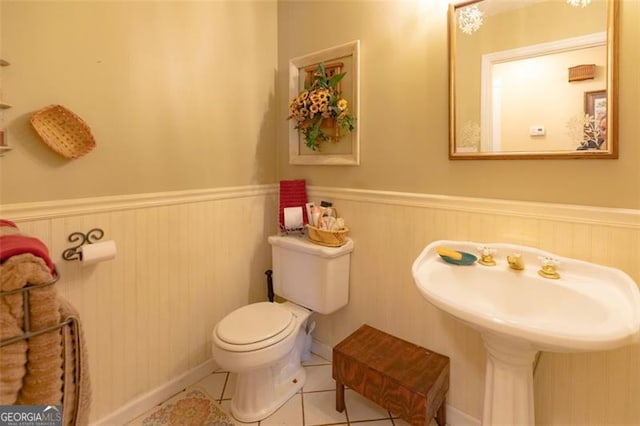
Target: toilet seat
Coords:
[[254, 327]]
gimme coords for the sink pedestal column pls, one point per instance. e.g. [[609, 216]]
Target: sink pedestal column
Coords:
[[508, 391]]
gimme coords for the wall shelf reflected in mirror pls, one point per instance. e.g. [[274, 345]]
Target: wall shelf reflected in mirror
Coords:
[[533, 79]]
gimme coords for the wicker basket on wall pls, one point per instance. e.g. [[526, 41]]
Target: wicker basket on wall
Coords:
[[63, 131]]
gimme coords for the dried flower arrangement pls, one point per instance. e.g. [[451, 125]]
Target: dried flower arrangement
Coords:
[[321, 105]]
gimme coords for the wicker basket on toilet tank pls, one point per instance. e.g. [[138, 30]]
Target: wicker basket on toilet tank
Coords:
[[327, 238]]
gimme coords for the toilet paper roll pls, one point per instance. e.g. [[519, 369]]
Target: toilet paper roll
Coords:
[[293, 218], [98, 252]]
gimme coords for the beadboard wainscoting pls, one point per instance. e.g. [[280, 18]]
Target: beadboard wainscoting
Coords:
[[390, 229], [186, 259]]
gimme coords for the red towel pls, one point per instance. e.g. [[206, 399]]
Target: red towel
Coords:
[[5, 222], [14, 243], [293, 193]]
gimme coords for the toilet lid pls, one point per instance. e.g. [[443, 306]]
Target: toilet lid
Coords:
[[254, 323]]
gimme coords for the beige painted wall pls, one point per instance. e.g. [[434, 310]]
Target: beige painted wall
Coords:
[[404, 101], [179, 95]]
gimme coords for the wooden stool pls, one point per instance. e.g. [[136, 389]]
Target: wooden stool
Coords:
[[406, 379]]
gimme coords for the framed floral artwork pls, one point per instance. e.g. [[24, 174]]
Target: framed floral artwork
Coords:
[[595, 104], [323, 108]]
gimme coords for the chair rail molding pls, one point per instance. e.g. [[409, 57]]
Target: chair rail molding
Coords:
[[63, 208]]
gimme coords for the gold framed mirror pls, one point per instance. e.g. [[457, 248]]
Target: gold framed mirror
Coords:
[[533, 79]]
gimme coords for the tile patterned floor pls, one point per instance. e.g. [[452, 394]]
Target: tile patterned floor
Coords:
[[314, 405]]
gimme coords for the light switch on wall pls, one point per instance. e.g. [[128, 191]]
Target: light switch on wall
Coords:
[[537, 130]]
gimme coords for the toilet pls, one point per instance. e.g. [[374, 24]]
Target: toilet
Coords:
[[263, 342]]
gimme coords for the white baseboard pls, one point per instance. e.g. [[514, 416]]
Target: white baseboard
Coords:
[[322, 350], [455, 417], [154, 397]]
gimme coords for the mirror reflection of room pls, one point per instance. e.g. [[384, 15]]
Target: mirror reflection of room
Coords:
[[531, 76]]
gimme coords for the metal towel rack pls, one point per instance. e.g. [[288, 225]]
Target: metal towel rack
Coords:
[[27, 332]]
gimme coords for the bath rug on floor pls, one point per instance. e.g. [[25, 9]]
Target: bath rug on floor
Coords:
[[192, 407]]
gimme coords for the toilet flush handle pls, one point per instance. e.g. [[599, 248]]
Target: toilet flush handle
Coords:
[[270, 294]]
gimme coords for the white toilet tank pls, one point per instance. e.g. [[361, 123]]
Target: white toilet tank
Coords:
[[311, 275]]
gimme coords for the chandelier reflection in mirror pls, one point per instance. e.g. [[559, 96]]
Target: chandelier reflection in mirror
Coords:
[[581, 3], [470, 19]]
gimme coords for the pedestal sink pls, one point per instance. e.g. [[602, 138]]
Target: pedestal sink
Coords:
[[518, 313]]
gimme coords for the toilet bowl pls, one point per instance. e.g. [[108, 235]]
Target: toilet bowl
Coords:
[[262, 343]]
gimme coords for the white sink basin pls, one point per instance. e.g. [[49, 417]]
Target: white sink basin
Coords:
[[590, 307]]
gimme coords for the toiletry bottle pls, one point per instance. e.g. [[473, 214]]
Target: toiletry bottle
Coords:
[[328, 209], [315, 216]]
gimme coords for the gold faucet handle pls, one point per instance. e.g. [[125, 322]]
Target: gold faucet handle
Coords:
[[486, 256], [549, 265], [515, 261]]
